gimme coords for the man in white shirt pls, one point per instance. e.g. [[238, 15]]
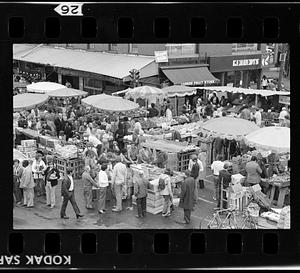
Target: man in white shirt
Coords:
[[38, 168], [258, 117], [67, 193], [101, 191], [96, 142], [118, 179], [216, 167], [282, 114]]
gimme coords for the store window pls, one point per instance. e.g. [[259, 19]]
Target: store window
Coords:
[[181, 49], [133, 48], [244, 47], [112, 47], [90, 46]]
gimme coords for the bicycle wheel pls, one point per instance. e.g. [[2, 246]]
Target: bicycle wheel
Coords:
[[214, 223]]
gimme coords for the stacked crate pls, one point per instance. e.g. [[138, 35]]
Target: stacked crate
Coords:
[[28, 148], [76, 164], [154, 201], [184, 159]]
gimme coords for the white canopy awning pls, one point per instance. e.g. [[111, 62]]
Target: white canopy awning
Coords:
[[262, 92]]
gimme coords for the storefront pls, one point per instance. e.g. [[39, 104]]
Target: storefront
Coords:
[[237, 70]]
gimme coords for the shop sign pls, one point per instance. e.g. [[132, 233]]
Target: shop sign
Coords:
[[265, 61], [284, 100], [161, 56], [245, 62], [199, 82]]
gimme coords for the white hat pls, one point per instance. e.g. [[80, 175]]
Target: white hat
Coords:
[[283, 108]]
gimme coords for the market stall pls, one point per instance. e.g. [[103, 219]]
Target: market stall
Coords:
[[176, 94], [28, 101], [110, 104], [270, 138], [44, 87], [245, 91], [145, 92], [223, 134], [178, 152]]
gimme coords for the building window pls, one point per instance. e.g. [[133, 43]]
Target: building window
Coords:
[[112, 47], [244, 47], [94, 83], [90, 46], [133, 48], [181, 49]]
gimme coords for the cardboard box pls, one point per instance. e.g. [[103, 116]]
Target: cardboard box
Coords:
[[256, 188], [236, 188]]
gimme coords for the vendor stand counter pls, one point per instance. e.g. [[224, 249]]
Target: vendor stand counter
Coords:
[[178, 153], [282, 184], [155, 200]]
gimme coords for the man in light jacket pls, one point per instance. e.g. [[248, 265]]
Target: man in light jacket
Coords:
[[118, 179], [38, 169], [167, 194], [27, 184], [88, 183]]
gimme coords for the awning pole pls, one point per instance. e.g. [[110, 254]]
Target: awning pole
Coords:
[[256, 100]]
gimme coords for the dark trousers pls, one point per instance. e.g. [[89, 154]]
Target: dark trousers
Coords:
[[141, 206], [17, 191], [71, 198], [187, 215]]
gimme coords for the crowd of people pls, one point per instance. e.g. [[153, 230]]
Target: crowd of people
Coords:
[[108, 157]]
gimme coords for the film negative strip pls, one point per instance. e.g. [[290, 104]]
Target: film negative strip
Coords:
[[86, 49]]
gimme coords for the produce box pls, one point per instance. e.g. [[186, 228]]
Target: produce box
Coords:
[[153, 185], [155, 203], [28, 142], [154, 195], [154, 210]]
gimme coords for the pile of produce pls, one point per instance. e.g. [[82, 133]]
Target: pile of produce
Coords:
[[285, 218], [182, 119], [282, 178], [66, 152]]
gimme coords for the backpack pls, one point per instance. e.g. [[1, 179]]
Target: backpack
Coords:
[[161, 184]]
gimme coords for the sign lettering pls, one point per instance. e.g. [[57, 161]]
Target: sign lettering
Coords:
[[161, 56], [245, 62]]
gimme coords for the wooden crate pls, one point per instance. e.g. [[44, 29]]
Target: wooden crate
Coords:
[[62, 164]]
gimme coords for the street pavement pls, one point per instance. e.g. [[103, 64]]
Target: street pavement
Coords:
[[43, 217]]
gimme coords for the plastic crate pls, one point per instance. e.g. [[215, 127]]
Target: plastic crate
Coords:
[[184, 159]]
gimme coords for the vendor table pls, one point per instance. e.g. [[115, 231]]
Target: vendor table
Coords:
[[33, 134], [283, 189]]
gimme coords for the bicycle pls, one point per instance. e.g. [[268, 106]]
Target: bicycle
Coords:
[[231, 218]]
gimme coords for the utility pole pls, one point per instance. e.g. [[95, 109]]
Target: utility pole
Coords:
[[282, 58]]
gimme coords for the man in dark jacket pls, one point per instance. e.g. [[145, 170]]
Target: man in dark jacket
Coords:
[[187, 196], [225, 179], [59, 124], [140, 192], [67, 192]]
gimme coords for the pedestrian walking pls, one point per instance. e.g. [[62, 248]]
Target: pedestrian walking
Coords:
[[17, 174], [195, 167], [68, 194], [216, 167], [140, 191], [130, 188], [38, 169], [51, 176], [202, 156], [102, 188], [27, 184], [119, 177], [187, 197], [88, 184], [165, 188]]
